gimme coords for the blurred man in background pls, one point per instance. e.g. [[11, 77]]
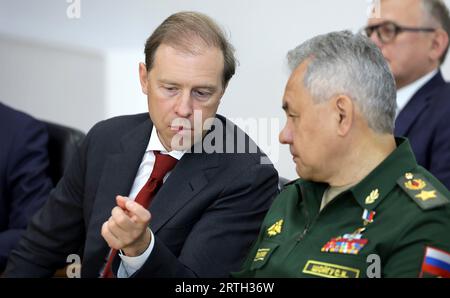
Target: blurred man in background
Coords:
[[24, 180], [413, 36]]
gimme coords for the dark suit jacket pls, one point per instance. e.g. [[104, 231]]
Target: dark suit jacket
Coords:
[[204, 217], [424, 121], [24, 183]]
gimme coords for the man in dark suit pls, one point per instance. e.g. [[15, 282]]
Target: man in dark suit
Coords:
[[413, 36], [203, 219], [24, 182]]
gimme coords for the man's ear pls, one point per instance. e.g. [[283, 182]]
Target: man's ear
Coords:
[[344, 108], [143, 77], [439, 44]]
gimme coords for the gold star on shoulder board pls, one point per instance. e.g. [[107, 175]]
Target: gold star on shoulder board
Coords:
[[426, 195], [275, 229], [422, 191]]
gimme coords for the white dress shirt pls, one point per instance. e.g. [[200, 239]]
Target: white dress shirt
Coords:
[[129, 265], [405, 94]]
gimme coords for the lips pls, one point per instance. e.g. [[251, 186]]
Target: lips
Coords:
[[294, 156], [179, 129], [176, 128]]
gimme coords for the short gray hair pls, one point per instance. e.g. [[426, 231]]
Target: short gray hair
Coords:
[[351, 64], [437, 11]]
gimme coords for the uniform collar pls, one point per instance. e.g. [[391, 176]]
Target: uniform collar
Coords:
[[370, 191]]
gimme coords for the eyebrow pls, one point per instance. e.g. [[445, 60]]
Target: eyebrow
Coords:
[[206, 86], [163, 81]]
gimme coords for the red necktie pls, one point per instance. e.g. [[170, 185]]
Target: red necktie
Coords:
[[163, 164]]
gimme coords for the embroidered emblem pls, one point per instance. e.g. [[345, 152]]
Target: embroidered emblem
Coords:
[[329, 270], [436, 263], [261, 254], [275, 229], [415, 184], [372, 197], [426, 195]]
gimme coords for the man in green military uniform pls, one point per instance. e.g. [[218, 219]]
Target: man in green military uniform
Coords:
[[363, 207]]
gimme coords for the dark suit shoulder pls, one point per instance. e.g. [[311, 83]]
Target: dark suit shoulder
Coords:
[[441, 94], [120, 124], [116, 127], [12, 120]]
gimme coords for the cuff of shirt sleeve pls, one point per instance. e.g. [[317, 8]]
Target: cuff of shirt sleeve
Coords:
[[129, 265]]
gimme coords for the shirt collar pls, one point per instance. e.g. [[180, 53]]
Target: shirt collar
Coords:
[[406, 93], [155, 144]]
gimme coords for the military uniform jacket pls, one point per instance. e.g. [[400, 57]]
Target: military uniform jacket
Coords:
[[394, 223]]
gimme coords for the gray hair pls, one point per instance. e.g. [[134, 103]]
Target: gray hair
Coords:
[[436, 11], [350, 64]]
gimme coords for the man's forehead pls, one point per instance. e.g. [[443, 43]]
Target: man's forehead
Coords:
[[292, 91], [208, 60], [297, 75]]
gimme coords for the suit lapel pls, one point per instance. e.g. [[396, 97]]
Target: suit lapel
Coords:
[[117, 178], [416, 105], [186, 180]]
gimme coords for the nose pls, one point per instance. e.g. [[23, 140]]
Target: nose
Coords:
[[183, 106], [285, 136]]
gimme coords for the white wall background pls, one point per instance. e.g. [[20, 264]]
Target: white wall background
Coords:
[[80, 71]]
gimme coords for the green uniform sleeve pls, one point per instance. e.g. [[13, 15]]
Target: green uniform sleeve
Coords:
[[408, 252]]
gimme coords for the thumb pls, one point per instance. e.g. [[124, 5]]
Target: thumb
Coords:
[[122, 201], [138, 212]]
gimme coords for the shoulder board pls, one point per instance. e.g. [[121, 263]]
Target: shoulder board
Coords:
[[421, 191]]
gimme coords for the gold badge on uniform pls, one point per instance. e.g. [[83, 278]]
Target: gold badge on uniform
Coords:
[[275, 229], [422, 191], [415, 184], [372, 197], [323, 269], [426, 195], [261, 254]]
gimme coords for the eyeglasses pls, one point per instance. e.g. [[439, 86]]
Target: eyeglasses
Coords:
[[388, 31]]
